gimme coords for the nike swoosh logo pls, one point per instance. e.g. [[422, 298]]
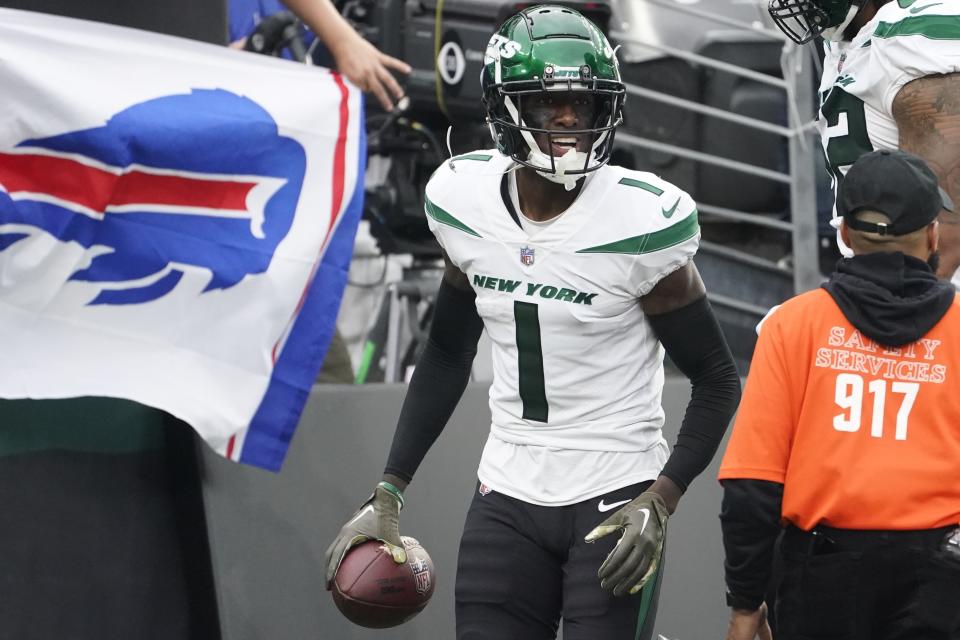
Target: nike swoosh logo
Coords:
[[926, 6], [646, 518], [603, 507], [669, 212]]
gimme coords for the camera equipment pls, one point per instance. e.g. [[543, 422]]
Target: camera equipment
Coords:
[[275, 33], [445, 42]]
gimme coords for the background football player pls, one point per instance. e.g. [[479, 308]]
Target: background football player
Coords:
[[890, 80], [579, 271]]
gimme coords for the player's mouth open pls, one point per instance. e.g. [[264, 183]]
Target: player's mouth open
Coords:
[[559, 146]]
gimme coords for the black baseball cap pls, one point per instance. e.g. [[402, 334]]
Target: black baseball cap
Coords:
[[895, 183]]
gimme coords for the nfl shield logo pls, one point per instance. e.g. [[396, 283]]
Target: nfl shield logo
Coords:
[[421, 575], [526, 256]]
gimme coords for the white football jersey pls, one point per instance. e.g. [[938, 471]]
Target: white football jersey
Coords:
[[577, 371], [906, 40]]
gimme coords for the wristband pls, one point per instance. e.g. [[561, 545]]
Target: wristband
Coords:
[[392, 490]]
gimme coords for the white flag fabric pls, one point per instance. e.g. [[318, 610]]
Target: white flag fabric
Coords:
[[176, 224]]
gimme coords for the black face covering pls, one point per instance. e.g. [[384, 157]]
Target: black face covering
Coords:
[[891, 298]]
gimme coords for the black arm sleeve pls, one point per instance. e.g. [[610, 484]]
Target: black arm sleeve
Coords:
[[694, 341], [438, 380], [750, 521]]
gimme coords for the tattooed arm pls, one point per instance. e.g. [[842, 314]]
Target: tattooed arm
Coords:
[[927, 112]]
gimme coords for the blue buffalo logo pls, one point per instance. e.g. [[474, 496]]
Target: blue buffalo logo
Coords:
[[202, 179]]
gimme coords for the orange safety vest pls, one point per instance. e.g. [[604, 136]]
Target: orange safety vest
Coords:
[[862, 436]]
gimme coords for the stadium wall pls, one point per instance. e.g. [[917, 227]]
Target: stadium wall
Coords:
[[268, 532]]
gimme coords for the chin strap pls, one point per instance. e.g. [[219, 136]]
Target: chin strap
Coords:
[[542, 161], [572, 159], [552, 168], [835, 34]]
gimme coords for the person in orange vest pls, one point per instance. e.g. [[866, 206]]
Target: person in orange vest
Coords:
[[848, 436]]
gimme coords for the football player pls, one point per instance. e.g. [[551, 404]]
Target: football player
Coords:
[[582, 275], [890, 80]]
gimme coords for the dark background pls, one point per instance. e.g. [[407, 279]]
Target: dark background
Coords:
[[204, 20]]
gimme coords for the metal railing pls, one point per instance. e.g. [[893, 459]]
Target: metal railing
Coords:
[[797, 82], [400, 314]]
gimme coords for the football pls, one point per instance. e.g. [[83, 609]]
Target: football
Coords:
[[373, 591]]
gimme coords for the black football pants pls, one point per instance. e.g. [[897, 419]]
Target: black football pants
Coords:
[[867, 585], [522, 567]]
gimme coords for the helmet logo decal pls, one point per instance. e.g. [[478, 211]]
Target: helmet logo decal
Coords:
[[562, 73], [500, 47]]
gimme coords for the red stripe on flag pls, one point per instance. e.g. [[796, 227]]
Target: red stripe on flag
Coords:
[[97, 189], [138, 187], [339, 173], [340, 154], [58, 177]]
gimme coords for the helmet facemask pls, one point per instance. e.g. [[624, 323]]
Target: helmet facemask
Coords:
[[804, 20], [545, 51], [516, 124]]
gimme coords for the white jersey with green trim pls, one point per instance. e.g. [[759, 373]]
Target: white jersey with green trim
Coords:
[[577, 371], [905, 40]]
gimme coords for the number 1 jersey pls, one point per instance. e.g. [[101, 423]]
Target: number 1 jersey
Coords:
[[577, 371]]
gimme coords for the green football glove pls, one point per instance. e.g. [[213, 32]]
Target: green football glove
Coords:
[[637, 554], [377, 519]]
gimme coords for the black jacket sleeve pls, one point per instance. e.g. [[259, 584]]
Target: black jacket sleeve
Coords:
[[438, 380], [694, 341], [750, 521]]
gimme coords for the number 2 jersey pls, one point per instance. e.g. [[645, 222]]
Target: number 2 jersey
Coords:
[[577, 371], [905, 40]]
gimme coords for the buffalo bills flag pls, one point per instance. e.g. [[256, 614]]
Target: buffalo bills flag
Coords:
[[176, 224]]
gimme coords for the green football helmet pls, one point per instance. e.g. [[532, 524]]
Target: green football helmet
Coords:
[[550, 48], [804, 20]]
